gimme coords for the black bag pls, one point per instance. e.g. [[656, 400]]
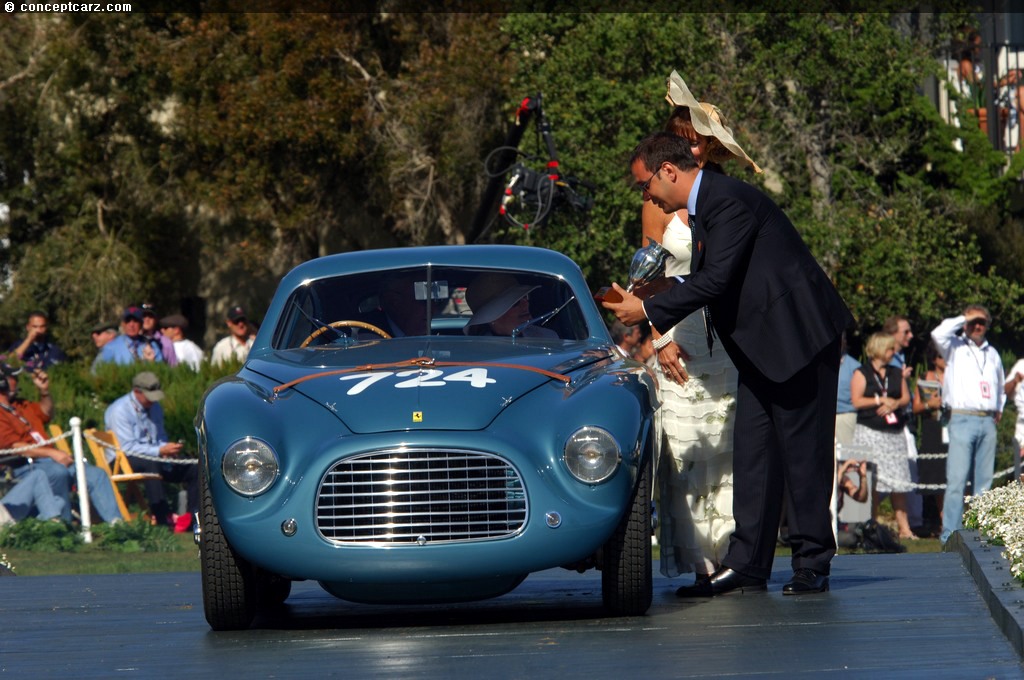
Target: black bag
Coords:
[[876, 538]]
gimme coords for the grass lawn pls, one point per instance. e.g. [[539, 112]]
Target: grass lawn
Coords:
[[90, 560]]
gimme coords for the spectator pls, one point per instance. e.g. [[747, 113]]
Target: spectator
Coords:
[[899, 328], [644, 350], [934, 438], [31, 496], [879, 392], [131, 345], [236, 345], [36, 350], [151, 331], [1013, 386], [102, 333], [626, 338], [138, 421], [846, 414], [188, 352], [973, 390], [845, 538], [23, 423]]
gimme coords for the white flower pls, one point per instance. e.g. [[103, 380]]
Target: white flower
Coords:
[[999, 514]]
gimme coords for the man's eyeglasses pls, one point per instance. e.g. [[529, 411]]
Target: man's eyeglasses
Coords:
[[978, 322], [645, 187]]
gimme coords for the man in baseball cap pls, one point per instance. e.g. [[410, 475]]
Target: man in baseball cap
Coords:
[[138, 421]]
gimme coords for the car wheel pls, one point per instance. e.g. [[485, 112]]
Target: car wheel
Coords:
[[229, 582], [627, 584]]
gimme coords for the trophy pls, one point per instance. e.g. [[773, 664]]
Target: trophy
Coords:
[[648, 264]]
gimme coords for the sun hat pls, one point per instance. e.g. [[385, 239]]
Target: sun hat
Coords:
[[707, 119], [491, 295]]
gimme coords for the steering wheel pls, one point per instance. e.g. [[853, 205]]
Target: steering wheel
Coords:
[[345, 324]]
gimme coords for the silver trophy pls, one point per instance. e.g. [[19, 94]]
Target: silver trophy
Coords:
[[648, 264]]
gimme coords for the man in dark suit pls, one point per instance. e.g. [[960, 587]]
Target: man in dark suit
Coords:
[[780, 319]]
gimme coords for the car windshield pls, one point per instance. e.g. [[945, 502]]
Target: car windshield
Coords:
[[430, 301]]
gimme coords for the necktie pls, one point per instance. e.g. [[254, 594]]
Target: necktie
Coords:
[[709, 330]]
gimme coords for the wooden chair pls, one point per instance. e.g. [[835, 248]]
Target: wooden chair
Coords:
[[120, 472]]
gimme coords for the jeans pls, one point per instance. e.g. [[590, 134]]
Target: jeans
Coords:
[[972, 449], [101, 489], [33, 495]]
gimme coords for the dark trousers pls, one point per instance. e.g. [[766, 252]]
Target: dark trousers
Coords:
[[785, 443], [171, 472]]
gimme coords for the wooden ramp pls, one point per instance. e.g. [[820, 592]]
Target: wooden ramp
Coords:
[[888, 616]]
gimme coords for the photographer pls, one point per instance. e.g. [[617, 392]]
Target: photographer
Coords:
[[858, 492]]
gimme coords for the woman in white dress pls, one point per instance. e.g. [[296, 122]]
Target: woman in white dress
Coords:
[[696, 418]]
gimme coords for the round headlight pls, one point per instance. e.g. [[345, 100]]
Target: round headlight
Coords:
[[249, 466], [591, 454]]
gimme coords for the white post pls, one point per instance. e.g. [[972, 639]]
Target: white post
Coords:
[[83, 489]]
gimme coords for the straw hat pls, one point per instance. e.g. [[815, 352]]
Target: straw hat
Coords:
[[707, 119]]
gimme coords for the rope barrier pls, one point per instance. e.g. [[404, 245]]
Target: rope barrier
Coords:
[[916, 486]]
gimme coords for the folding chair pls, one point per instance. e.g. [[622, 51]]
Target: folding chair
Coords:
[[120, 472]]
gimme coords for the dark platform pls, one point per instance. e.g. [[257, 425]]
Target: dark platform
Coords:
[[887, 616]]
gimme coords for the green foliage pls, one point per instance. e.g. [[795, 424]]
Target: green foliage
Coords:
[[44, 536], [135, 536]]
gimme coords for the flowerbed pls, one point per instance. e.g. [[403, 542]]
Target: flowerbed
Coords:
[[999, 515]]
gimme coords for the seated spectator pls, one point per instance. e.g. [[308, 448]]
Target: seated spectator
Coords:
[[131, 345], [500, 304], [846, 538], [36, 350], [30, 497], [236, 345], [138, 421], [151, 330], [879, 392], [188, 352], [23, 423]]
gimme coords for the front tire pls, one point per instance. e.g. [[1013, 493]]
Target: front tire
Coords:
[[627, 583], [230, 592]]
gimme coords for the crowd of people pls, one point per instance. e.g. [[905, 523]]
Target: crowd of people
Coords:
[[41, 475]]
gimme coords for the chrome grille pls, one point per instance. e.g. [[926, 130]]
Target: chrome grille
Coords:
[[409, 496]]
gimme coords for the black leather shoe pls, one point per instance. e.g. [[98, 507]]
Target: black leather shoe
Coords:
[[806, 581], [725, 580], [701, 587]]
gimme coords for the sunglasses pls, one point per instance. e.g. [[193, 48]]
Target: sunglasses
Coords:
[[645, 187], [977, 322]]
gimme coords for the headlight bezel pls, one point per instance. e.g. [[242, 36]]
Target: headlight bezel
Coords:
[[592, 454], [238, 461]]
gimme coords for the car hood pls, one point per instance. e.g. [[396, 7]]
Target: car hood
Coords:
[[413, 386]]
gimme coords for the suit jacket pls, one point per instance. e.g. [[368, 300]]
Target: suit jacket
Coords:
[[771, 304]]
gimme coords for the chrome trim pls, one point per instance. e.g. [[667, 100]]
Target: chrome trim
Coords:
[[410, 496]]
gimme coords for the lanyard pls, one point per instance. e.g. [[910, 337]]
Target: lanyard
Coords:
[[882, 386], [10, 409]]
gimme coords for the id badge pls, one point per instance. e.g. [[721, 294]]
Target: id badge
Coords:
[[986, 391], [945, 434], [891, 419]]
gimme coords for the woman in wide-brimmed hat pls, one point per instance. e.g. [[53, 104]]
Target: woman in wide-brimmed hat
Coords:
[[696, 418]]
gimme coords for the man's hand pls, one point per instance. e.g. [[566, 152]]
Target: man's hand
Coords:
[[56, 455], [630, 311], [171, 449], [42, 381], [668, 359]]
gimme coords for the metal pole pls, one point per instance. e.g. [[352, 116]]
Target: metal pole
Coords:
[[83, 489]]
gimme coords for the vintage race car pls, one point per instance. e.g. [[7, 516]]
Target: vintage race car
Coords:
[[425, 425]]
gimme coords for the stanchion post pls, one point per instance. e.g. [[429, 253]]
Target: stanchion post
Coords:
[[83, 489]]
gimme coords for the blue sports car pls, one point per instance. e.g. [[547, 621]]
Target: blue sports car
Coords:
[[425, 425]]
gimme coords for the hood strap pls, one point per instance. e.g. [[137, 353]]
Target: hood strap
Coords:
[[418, 362]]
